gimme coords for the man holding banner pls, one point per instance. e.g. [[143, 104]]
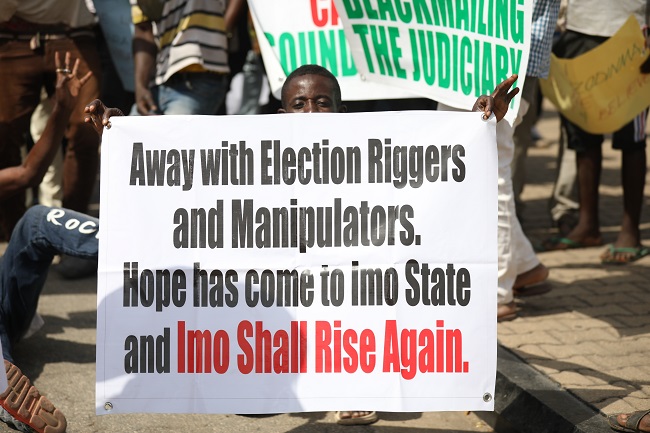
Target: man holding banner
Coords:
[[43, 232]]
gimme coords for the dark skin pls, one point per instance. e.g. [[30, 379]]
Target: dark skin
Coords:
[[30, 173]]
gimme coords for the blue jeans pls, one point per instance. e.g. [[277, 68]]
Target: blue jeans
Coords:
[[40, 234], [192, 93]]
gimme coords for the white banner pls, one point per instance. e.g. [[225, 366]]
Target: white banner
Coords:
[[449, 51], [313, 35], [303, 262]]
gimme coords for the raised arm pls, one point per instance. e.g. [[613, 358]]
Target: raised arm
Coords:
[[30, 173], [499, 101]]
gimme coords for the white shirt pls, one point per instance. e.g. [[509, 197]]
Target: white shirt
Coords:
[[603, 17]]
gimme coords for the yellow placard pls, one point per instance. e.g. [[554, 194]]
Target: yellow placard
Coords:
[[603, 89]]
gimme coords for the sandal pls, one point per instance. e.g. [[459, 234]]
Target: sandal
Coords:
[[631, 424], [368, 418]]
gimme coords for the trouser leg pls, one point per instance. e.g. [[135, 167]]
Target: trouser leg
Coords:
[[38, 236]]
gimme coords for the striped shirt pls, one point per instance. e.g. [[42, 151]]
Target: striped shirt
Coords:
[[545, 14], [191, 36]]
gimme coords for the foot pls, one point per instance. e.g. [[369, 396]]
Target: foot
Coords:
[[638, 421], [506, 312], [566, 223], [626, 249], [576, 238], [355, 417], [623, 255], [533, 276], [22, 406]]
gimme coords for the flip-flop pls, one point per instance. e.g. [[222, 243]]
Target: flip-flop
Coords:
[[533, 290], [632, 254], [562, 243], [368, 418], [632, 423]]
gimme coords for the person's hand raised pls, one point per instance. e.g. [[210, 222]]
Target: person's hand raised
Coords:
[[499, 101], [68, 82], [98, 114]]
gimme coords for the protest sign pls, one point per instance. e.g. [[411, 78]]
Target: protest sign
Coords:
[[303, 262], [313, 35], [603, 89], [448, 51]]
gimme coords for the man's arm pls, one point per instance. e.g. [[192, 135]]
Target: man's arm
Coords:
[[144, 60], [34, 167]]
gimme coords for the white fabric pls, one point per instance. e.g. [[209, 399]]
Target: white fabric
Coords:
[[73, 13], [516, 254], [602, 18], [50, 190]]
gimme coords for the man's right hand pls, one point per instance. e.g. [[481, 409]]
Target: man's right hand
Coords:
[[144, 102], [98, 114]]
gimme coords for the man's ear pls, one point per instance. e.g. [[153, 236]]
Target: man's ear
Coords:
[[281, 111], [343, 109]]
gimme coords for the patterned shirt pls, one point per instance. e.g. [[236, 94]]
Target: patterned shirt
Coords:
[[191, 36], [545, 14]]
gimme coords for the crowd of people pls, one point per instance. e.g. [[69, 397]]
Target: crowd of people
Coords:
[[183, 64]]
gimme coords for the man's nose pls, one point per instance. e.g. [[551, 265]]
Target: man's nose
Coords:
[[311, 107]]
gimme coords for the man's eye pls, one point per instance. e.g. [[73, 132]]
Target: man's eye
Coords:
[[298, 105], [324, 103]]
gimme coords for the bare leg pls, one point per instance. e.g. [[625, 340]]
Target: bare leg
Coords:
[[587, 232], [633, 174]]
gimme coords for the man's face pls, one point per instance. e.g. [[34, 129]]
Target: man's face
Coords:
[[311, 94]]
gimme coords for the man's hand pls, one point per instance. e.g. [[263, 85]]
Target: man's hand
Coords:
[[499, 101], [98, 114], [68, 83], [144, 102]]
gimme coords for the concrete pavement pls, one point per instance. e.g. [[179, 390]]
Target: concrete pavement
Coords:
[[591, 334], [574, 354]]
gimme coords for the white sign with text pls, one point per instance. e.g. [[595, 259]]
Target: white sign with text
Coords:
[[304, 262]]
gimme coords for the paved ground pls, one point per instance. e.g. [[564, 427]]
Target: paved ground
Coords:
[[591, 334]]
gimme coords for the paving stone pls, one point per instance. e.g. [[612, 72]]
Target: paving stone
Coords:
[[531, 352], [571, 346], [614, 405], [518, 340], [637, 403], [572, 379], [596, 394]]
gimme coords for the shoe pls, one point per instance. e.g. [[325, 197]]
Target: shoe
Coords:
[[368, 418], [623, 255], [561, 243], [507, 312], [72, 268], [22, 406], [632, 423], [534, 290]]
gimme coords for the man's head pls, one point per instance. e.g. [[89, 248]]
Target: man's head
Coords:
[[311, 89]]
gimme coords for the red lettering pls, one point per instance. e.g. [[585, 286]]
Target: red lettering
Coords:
[[180, 326], [245, 361], [320, 15], [323, 351]]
